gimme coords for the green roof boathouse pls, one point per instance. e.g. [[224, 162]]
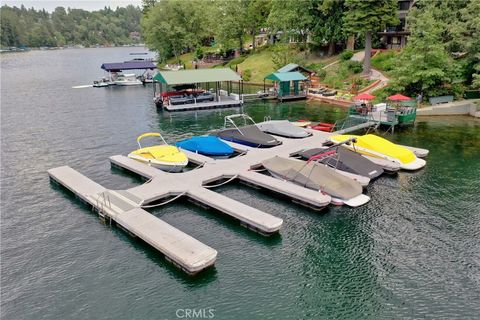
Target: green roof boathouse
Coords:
[[288, 85], [197, 89]]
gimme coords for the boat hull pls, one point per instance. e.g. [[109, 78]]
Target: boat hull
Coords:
[[174, 167]]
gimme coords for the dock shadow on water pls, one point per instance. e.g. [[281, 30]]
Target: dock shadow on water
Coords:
[[191, 217]]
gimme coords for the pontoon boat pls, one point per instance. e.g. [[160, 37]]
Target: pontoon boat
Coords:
[[344, 160], [129, 79], [319, 177]]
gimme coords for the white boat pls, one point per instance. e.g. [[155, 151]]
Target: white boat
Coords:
[[129, 79], [104, 82]]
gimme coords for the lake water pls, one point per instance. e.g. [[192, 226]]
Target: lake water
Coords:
[[412, 252]]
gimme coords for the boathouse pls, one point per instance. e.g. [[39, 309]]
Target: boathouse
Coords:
[[197, 89], [288, 85], [116, 67]]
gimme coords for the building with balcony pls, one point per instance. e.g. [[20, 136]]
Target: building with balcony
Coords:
[[395, 37]]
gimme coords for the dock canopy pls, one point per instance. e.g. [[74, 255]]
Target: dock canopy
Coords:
[[286, 76], [128, 65], [196, 76], [363, 96], [399, 97]]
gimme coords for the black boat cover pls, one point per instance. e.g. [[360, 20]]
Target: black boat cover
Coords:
[[249, 135], [348, 161]]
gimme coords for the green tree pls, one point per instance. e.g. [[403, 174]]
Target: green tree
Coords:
[[284, 53], [367, 17], [291, 18], [172, 27], [328, 25], [424, 65], [257, 14], [232, 25]]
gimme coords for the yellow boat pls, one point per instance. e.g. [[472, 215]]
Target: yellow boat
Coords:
[[377, 147], [164, 157]]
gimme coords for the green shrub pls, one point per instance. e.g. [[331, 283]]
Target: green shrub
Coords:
[[321, 73], [385, 61], [354, 66], [246, 75], [199, 53], [346, 55]]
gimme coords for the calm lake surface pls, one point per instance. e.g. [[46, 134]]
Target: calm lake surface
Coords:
[[412, 252]]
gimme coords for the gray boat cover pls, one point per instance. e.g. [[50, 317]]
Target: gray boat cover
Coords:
[[248, 135], [283, 128], [348, 161], [313, 176]]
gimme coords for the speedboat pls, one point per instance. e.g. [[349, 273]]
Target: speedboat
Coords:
[[249, 135], [207, 145], [312, 175], [344, 160], [164, 157], [129, 79], [283, 128], [375, 146]]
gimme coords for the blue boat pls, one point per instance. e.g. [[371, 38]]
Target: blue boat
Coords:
[[208, 145]]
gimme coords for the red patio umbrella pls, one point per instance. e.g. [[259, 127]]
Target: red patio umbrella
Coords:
[[399, 97], [364, 96]]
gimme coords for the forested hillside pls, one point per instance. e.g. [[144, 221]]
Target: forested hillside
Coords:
[[32, 28]]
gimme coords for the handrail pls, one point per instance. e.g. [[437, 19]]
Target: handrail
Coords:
[[149, 134], [239, 115]]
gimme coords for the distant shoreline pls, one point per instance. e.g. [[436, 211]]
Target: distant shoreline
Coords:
[[15, 49]]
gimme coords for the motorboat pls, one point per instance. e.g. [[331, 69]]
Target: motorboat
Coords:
[[344, 160], [375, 146], [329, 154], [283, 128], [164, 157], [102, 83], [249, 135], [207, 145], [313, 175], [128, 79]]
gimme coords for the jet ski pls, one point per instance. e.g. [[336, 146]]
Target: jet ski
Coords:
[[283, 128], [375, 146], [164, 157], [207, 145], [249, 135], [344, 160], [319, 177]]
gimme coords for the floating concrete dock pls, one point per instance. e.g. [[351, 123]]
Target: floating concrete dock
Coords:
[[126, 207], [189, 254]]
